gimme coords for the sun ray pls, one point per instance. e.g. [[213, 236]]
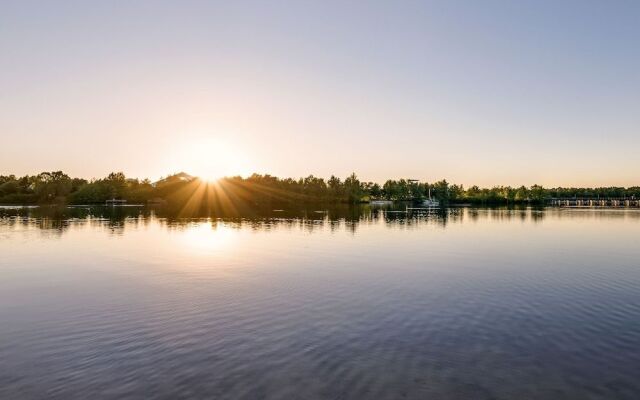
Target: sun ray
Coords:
[[192, 205]]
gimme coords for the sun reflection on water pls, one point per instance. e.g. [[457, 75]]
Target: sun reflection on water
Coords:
[[208, 236]]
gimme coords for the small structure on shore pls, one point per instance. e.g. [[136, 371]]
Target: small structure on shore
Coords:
[[380, 202], [116, 202], [157, 201]]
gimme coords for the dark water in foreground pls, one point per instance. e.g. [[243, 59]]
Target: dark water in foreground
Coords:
[[349, 304]]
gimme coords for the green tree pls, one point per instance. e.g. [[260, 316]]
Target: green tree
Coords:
[[352, 188]]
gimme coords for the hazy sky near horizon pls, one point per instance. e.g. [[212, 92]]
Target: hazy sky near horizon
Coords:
[[491, 92]]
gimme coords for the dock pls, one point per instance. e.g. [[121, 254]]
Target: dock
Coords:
[[613, 202]]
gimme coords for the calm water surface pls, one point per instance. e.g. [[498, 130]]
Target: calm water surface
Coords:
[[347, 304]]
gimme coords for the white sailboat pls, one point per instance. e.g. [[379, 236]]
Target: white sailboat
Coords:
[[430, 202]]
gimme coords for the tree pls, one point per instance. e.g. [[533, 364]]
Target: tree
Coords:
[[352, 188], [335, 187], [537, 194], [50, 186], [375, 191]]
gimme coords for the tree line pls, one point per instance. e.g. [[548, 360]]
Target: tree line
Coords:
[[180, 189]]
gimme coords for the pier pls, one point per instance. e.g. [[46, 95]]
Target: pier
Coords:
[[595, 202]]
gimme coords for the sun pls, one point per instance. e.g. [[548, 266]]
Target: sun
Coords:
[[211, 159]]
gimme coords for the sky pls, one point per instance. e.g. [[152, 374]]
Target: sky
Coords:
[[487, 93]]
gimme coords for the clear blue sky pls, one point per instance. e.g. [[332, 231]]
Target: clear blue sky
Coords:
[[486, 92]]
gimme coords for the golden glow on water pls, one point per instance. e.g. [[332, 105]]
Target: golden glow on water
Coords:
[[205, 237]]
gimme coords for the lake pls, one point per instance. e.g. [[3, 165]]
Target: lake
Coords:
[[347, 303]]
